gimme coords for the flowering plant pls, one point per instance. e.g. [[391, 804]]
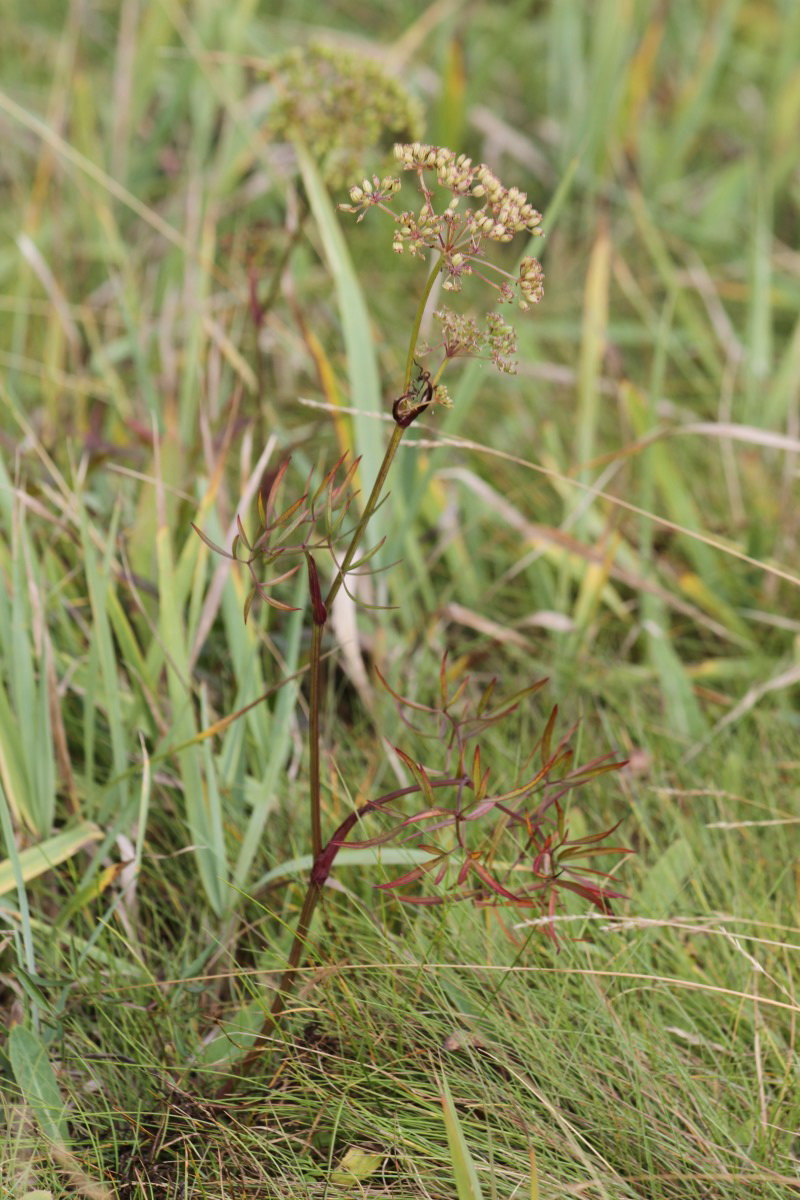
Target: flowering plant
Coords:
[[505, 847]]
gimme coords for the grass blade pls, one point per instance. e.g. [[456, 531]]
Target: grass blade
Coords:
[[362, 364], [34, 861], [203, 813], [36, 1080], [464, 1173]]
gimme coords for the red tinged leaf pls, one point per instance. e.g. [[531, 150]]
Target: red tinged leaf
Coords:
[[464, 871], [401, 699], [329, 478], [481, 808], [276, 579], [482, 873], [600, 897], [418, 771], [543, 863], [279, 604], [512, 702], [486, 698], [343, 487], [380, 839], [569, 853], [428, 814], [458, 693], [548, 734], [525, 788], [390, 834], [584, 871], [242, 534], [599, 766], [248, 604], [213, 545], [261, 589], [443, 681], [402, 880], [319, 612], [550, 928], [273, 491], [476, 773], [287, 515], [413, 875], [591, 838]]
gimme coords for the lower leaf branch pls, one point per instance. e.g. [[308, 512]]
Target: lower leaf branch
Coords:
[[321, 869]]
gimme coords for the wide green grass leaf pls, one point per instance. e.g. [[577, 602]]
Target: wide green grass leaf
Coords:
[[37, 1082]]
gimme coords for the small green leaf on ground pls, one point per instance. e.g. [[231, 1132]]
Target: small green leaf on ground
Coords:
[[357, 1164]]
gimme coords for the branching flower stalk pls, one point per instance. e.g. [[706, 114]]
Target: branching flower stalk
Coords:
[[480, 211], [455, 237], [320, 612]]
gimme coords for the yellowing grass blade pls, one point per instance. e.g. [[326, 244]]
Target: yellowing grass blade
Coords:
[[36, 860]]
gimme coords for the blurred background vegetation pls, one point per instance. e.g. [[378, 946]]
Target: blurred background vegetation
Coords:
[[180, 309]]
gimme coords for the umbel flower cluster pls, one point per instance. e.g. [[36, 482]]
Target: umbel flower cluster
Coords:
[[462, 337], [458, 231], [342, 106]]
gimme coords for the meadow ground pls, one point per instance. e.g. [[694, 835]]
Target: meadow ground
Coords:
[[181, 307]]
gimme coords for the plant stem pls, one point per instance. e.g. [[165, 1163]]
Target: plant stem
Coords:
[[423, 302], [315, 669], [310, 899], [391, 449], [369, 509], [271, 1021], [313, 892], [315, 884]]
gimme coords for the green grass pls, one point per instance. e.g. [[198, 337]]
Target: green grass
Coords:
[[620, 516]]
